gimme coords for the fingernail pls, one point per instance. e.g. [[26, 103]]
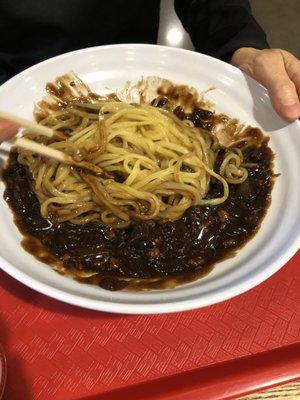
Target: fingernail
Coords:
[[291, 111]]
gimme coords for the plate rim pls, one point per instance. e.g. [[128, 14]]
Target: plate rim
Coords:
[[235, 289]]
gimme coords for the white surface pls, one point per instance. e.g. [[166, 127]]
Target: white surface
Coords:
[[110, 67], [171, 32]]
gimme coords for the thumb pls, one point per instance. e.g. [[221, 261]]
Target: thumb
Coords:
[[271, 72], [7, 130], [292, 66]]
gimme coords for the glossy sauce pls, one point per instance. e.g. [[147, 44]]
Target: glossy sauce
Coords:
[[148, 254]]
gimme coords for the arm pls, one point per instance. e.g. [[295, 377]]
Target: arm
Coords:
[[219, 27], [227, 30]]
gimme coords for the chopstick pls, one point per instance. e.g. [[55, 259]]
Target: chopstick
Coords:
[[46, 151], [33, 126], [55, 154]]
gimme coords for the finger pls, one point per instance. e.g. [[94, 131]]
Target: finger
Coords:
[[271, 72], [7, 130], [292, 66]]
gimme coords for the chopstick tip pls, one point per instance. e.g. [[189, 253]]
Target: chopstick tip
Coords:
[[59, 136]]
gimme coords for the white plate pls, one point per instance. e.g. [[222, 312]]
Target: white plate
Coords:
[[239, 96]]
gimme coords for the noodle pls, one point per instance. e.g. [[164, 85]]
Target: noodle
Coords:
[[156, 166]]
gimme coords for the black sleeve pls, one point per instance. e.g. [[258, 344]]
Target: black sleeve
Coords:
[[219, 27]]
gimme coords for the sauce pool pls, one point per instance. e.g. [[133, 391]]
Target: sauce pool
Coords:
[[147, 255]]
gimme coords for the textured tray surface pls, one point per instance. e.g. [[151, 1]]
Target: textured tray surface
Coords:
[[66, 352]]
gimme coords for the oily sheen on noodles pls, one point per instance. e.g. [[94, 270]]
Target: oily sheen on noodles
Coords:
[[155, 165]]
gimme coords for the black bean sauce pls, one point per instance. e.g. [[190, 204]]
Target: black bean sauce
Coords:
[[200, 117], [148, 254]]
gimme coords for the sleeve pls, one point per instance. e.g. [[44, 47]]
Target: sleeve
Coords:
[[219, 27]]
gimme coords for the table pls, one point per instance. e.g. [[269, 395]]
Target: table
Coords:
[[290, 391]]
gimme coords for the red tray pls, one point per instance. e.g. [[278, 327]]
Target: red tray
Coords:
[[59, 351]]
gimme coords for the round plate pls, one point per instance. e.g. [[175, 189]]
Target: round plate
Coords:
[[109, 67]]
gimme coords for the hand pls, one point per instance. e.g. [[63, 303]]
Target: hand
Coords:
[[277, 70], [7, 130]]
